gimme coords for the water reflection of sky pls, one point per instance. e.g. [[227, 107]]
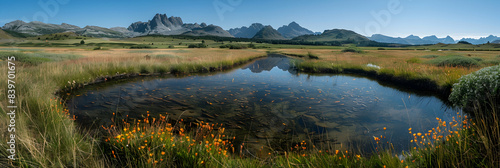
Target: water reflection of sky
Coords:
[[268, 100]]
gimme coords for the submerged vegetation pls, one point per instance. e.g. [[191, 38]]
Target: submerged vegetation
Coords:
[[48, 136]]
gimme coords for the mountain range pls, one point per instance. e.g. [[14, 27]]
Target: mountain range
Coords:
[[287, 31], [162, 25], [412, 40], [482, 40], [416, 40]]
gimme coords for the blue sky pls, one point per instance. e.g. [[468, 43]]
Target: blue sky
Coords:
[[457, 18]]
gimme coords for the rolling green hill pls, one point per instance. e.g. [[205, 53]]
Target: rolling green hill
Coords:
[[268, 33], [5, 35]]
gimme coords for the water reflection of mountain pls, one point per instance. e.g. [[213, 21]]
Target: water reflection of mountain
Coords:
[[269, 63]]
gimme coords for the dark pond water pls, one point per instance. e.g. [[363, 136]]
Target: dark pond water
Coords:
[[267, 103]]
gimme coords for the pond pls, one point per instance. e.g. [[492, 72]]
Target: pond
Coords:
[[268, 103]]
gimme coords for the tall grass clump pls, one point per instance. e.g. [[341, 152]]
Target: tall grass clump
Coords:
[[479, 94], [455, 61]]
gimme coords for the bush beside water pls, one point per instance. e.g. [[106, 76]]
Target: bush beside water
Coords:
[[477, 89]]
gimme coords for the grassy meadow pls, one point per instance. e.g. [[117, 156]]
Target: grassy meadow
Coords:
[[47, 135]]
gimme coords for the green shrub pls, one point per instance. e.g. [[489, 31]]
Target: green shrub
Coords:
[[380, 48], [197, 45], [413, 60], [352, 49], [479, 89], [429, 56], [454, 61], [141, 46]]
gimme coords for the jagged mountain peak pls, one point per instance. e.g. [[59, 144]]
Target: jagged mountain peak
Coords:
[[164, 25], [293, 30]]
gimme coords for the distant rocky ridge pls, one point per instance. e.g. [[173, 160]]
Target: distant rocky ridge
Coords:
[[38, 28], [412, 40], [160, 24]]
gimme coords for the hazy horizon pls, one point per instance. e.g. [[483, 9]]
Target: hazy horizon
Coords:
[[396, 18]]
